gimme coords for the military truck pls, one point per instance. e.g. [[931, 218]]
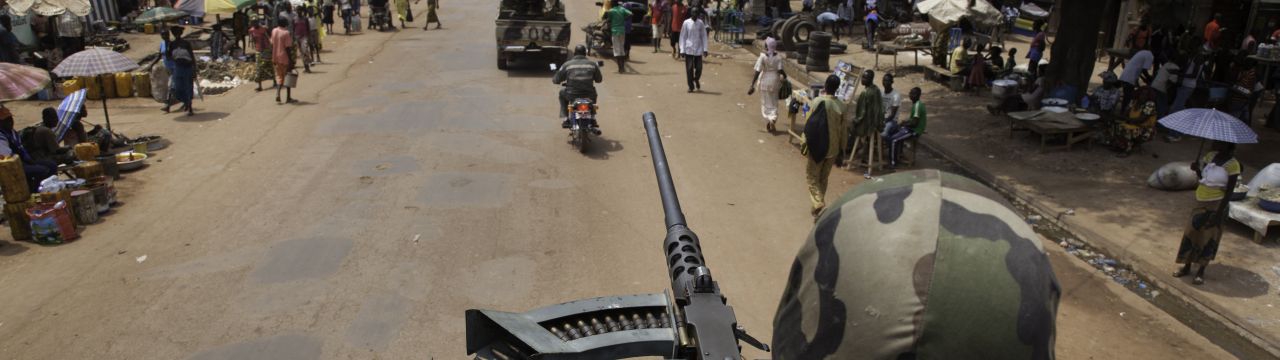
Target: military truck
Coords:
[[532, 28]]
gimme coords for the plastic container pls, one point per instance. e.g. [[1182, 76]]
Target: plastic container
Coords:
[[142, 84], [124, 84], [108, 85], [90, 83]]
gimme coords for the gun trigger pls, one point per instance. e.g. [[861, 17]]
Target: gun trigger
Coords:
[[741, 334]]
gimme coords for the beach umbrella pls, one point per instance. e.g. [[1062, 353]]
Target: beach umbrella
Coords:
[[19, 82], [95, 62], [159, 14], [1210, 124], [69, 112]]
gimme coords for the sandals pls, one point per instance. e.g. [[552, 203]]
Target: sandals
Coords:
[[1197, 281], [1180, 273]]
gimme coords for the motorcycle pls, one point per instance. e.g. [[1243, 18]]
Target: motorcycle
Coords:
[[380, 17], [582, 122]]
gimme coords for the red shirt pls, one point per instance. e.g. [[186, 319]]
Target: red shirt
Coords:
[[261, 41], [678, 12], [655, 15], [1212, 31], [280, 43]]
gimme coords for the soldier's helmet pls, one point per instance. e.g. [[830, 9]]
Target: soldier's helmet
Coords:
[[921, 264]]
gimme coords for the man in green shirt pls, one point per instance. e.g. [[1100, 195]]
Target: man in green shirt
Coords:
[[868, 115], [818, 172], [618, 17], [912, 127]]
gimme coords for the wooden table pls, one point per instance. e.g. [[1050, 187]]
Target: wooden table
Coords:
[[897, 48], [1048, 125], [1248, 213]]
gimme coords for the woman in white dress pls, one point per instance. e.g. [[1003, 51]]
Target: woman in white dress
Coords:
[[769, 76]]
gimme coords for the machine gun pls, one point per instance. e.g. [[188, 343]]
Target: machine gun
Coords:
[[698, 325]]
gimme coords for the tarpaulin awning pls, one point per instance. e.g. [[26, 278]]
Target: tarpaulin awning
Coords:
[[193, 7], [49, 7], [947, 13], [226, 6]]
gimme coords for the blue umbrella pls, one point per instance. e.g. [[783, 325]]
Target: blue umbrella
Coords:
[[1210, 124], [69, 112]]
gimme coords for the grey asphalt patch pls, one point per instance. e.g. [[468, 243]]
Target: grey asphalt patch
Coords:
[[298, 259], [461, 190], [378, 322], [279, 347], [392, 165]]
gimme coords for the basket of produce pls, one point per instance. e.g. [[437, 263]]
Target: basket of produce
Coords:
[[1270, 200], [1240, 193]]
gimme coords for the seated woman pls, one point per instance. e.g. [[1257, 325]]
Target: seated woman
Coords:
[[977, 71], [1105, 99], [995, 61], [1138, 128], [960, 58]]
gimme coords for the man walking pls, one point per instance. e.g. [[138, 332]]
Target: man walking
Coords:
[[823, 143], [281, 46], [618, 17], [693, 45]]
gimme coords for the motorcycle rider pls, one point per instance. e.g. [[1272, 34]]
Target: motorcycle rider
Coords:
[[579, 76]]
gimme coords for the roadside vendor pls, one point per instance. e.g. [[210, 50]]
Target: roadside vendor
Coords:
[[1106, 97], [11, 145], [1138, 127], [43, 141]]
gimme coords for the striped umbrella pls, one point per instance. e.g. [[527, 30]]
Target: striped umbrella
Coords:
[[69, 112], [159, 14], [94, 62], [1210, 124], [19, 82]]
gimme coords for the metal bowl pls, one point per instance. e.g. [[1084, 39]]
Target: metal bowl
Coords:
[[1054, 102], [124, 163], [1054, 109]]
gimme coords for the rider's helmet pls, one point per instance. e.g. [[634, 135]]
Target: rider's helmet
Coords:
[[580, 50], [921, 264]]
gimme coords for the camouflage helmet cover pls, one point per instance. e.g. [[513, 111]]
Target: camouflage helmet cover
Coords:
[[920, 264]]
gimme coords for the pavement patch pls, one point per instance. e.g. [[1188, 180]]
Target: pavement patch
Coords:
[[279, 347], [378, 322], [392, 165], [299, 259], [466, 190]]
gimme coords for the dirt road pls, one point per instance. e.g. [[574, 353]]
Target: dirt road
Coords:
[[416, 181]]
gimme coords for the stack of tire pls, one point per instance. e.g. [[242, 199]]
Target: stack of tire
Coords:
[[819, 58], [794, 30]]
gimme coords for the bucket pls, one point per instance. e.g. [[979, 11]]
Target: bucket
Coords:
[[291, 80], [52, 223], [109, 166], [101, 196]]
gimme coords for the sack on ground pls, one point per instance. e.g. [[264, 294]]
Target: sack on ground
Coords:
[[1268, 178], [1174, 176]]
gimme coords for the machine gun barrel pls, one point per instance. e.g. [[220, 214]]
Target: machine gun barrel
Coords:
[[670, 201]]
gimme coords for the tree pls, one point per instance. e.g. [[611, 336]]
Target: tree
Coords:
[[1075, 44]]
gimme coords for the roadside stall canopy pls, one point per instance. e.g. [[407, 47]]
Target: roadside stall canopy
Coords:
[[50, 7], [226, 6], [193, 7], [944, 14]]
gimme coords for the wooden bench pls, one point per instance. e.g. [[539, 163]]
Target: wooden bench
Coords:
[[944, 76]]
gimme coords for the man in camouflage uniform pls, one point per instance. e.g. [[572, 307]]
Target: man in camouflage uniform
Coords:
[[818, 172], [921, 264]]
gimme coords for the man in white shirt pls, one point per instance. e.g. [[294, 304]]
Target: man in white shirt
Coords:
[[1166, 79], [892, 101], [693, 45], [1138, 67]]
